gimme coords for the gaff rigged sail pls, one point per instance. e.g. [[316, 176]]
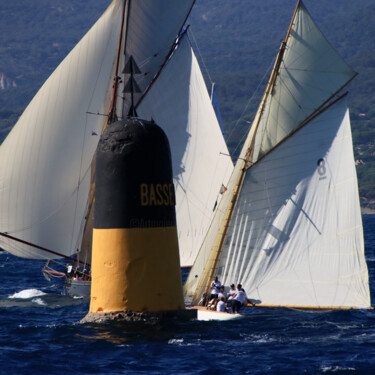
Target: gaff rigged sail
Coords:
[[291, 232]]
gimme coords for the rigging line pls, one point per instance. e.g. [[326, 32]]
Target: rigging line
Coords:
[[180, 35], [55, 261], [112, 108], [240, 118], [201, 57], [38, 247], [97, 114], [170, 53], [299, 127]]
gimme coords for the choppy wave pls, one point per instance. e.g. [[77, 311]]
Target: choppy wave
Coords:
[[27, 293], [340, 369], [38, 301], [39, 323]]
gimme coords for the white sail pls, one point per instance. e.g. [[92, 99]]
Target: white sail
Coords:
[[180, 104], [294, 235], [45, 166], [45, 160], [151, 28], [311, 71]]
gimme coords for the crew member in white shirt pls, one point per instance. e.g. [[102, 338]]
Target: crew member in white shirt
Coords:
[[220, 305], [238, 299], [232, 292], [215, 285]]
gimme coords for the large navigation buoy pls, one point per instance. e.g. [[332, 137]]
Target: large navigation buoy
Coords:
[[135, 257]]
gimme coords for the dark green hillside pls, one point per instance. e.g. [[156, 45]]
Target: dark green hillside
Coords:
[[35, 37], [238, 41]]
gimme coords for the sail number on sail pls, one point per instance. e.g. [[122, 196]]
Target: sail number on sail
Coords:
[[321, 169], [157, 195]]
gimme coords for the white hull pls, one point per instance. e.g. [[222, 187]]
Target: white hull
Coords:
[[78, 288], [206, 315]]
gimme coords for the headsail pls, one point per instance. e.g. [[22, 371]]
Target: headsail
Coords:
[[294, 236], [179, 102]]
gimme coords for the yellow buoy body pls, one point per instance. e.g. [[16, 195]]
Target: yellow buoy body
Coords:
[[135, 257]]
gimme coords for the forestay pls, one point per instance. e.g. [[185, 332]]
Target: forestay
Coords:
[[180, 104]]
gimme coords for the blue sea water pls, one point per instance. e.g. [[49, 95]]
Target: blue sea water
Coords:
[[40, 333]]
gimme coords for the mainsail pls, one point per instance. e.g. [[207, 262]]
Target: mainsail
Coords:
[[291, 232], [46, 161]]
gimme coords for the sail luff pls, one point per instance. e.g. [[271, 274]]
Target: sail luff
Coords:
[[292, 21]]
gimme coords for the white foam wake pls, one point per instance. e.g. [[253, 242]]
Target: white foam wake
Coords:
[[27, 293], [39, 301]]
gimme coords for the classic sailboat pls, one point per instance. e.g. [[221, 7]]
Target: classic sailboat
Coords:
[[290, 228], [136, 59]]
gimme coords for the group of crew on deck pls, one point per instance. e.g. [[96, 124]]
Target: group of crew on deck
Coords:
[[77, 274], [226, 301]]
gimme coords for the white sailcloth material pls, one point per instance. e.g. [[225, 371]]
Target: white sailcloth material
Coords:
[[152, 26], [180, 104], [311, 71], [296, 234], [45, 160]]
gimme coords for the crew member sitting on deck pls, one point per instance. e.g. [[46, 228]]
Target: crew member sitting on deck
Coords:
[[231, 293], [238, 299], [222, 293], [220, 305]]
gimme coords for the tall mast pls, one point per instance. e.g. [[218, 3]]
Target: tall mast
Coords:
[[112, 117], [219, 241]]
